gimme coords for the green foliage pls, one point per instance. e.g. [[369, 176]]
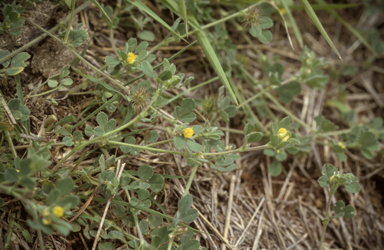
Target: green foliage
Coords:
[[12, 19], [310, 71], [14, 65]]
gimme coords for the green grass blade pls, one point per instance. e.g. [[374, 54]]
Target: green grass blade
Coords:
[[293, 23], [316, 21], [327, 6], [206, 46], [144, 8], [214, 61], [183, 10], [102, 10], [354, 31]]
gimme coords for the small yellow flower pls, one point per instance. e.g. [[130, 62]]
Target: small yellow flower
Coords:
[[331, 179], [285, 138], [46, 212], [131, 58], [188, 132], [18, 16], [47, 221], [281, 133], [283, 11], [341, 145], [58, 211]]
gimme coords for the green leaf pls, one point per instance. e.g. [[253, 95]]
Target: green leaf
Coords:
[[248, 129], [165, 75], [284, 123], [144, 8], [187, 106], [265, 23], [102, 119], [27, 182], [68, 141], [265, 36], [68, 202], [179, 142], [316, 21], [255, 31], [65, 186], [323, 181], [349, 211], [4, 53], [367, 139], [54, 195], [189, 216], [339, 208], [18, 60], [106, 245], [147, 69], [185, 203], [353, 188], [26, 166], [255, 137], [196, 147], [224, 169], [151, 137], [77, 37], [190, 245], [328, 170], [52, 83], [155, 221], [288, 91], [146, 35], [156, 182], [190, 117], [274, 140], [66, 82], [14, 71], [145, 172], [11, 175], [275, 168]]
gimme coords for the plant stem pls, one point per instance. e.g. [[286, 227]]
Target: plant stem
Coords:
[[70, 22], [237, 150], [326, 219], [194, 170], [145, 148]]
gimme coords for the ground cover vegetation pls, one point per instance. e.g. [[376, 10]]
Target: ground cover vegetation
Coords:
[[184, 124]]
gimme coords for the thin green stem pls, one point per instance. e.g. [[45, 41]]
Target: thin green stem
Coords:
[[10, 143], [239, 150], [192, 88], [326, 219], [145, 148], [70, 22], [194, 170]]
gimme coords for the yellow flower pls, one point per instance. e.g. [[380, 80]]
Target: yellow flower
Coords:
[[58, 211], [46, 212], [283, 11], [47, 221], [331, 179], [18, 16], [341, 144], [281, 133], [188, 132], [131, 58]]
